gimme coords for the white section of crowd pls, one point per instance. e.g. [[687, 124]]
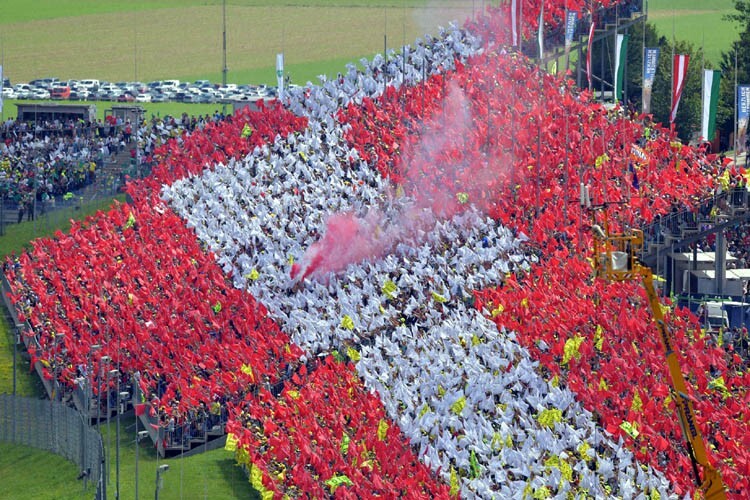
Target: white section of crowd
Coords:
[[256, 213]]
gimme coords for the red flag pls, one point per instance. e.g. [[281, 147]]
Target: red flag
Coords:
[[140, 409], [679, 77], [588, 52]]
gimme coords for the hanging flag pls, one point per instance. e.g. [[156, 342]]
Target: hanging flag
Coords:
[[541, 32], [743, 113], [634, 172], [280, 74], [1, 88], [650, 63], [571, 20], [515, 22], [679, 78], [621, 54], [588, 52], [710, 103]]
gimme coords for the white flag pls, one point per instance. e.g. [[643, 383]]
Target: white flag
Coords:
[[280, 74]]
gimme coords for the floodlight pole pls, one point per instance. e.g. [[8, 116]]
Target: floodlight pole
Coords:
[[224, 69], [117, 439], [136, 391]]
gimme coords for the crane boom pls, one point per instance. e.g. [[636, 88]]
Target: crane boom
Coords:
[[615, 259]]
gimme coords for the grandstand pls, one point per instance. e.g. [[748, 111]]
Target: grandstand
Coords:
[[380, 286]]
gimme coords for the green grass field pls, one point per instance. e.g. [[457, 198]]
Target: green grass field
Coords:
[[698, 21], [54, 478], [205, 475], [145, 41]]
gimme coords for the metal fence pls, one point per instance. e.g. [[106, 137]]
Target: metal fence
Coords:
[[59, 429]]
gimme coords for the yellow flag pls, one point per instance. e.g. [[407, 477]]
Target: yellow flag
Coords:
[[353, 354], [231, 444], [637, 404], [347, 323], [454, 483], [549, 416], [571, 348], [458, 406], [498, 310], [256, 479], [247, 131], [247, 370], [389, 289], [382, 429], [599, 337], [630, 429]]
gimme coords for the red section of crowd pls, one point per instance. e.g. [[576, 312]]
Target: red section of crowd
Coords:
[[326, 425], [530, 146], [136, 282], [511, 151]]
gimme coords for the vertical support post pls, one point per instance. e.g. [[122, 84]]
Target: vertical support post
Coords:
[[720, 262], [15, 356], [601, 67]]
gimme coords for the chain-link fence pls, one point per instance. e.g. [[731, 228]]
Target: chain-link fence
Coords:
[[57, 428]]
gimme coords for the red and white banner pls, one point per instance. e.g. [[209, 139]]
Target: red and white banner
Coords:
[[679, 77], [588, 52]]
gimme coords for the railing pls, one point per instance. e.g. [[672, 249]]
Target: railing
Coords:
[[59, 429], [706, 213]]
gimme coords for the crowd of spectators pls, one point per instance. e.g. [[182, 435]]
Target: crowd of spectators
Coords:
[[502, 371], [41, 162]]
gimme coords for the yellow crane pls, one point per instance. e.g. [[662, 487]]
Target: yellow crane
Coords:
[[615, 260]]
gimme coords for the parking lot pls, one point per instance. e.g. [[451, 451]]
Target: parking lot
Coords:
[[200, 91]]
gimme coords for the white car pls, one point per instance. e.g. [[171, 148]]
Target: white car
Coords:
[[143, 98], [39, 94], [9, 93]]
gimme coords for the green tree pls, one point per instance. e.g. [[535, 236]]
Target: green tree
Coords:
[[740, 49]]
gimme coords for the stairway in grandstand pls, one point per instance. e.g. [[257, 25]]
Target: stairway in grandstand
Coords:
[[109, 178], [680, 229]]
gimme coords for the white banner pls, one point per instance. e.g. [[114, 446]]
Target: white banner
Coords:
[[2, 86], [280, 73]]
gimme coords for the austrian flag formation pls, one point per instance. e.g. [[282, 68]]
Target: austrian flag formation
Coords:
[[384, 282]]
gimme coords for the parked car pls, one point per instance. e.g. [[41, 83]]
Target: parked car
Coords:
[[125, 97], [44, 83], [143, 97], [91, 85], [60, 92], [39, 93]]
